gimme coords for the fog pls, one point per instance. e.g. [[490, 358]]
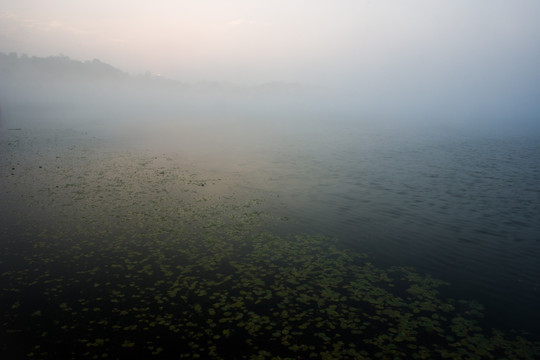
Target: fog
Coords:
[[460, 65], [407, 129], [77, 99]]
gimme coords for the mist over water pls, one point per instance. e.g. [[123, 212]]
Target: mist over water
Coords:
[[165, 183], [440, 188]]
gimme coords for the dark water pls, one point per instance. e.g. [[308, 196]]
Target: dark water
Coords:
[[465, 209], [460, 207]]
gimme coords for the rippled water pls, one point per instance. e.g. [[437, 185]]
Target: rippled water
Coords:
[[463, 208]]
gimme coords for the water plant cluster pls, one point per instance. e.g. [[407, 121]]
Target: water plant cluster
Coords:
[[123, 255]]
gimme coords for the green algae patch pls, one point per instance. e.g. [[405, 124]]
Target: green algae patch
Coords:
[[128, 255]]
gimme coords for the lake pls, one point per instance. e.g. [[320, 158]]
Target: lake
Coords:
[[257, 238]]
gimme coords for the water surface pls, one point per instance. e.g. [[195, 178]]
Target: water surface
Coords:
[[256, 238]]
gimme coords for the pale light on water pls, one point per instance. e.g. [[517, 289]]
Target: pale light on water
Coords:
[[197, 203]]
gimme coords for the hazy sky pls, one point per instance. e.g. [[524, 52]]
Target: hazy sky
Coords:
[[293, 39], [433, 49]]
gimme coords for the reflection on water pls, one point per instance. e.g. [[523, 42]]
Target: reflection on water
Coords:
[[190, 232], [464, 208], [467, 211]]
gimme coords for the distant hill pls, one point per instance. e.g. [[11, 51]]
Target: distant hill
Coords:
[[22, 70], [59, 87], [16, 68], [57, 67]]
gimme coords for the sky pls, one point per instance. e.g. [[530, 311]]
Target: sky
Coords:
[[416, 52]]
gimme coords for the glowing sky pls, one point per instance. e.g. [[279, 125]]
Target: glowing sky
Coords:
[[455, 58], [250, 40]]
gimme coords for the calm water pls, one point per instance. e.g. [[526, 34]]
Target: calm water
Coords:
[[463, 208]]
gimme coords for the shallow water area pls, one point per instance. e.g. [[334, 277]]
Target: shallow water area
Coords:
[[111, 251]]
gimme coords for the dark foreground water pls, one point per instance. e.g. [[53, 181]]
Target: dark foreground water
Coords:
[[330, 242]]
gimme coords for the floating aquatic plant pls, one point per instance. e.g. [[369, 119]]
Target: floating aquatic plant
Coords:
[[134, 258]]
